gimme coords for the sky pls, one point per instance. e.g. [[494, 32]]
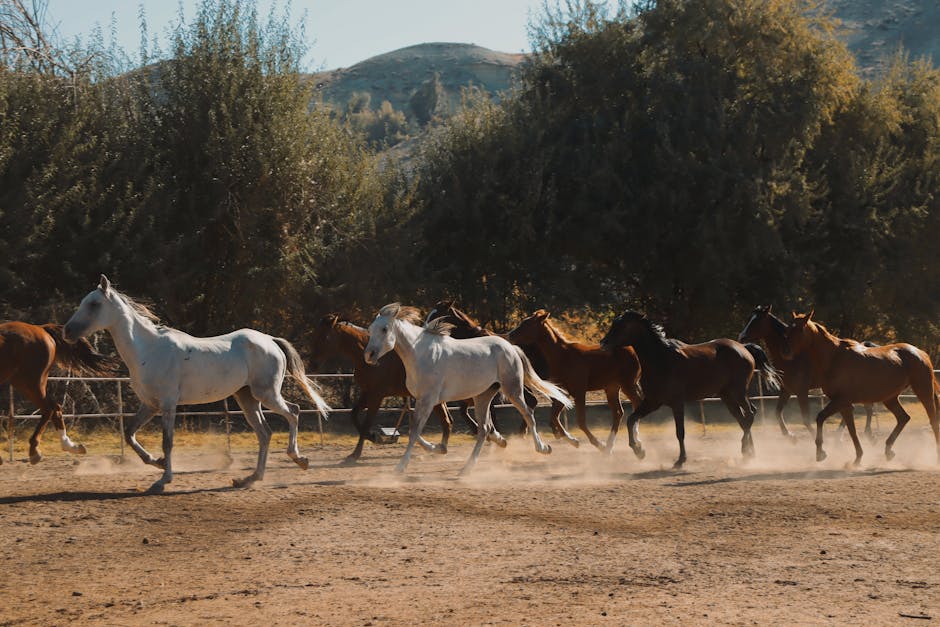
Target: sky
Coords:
[[341, 32]]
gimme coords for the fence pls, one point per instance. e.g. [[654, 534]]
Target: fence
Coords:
[[345, 379]]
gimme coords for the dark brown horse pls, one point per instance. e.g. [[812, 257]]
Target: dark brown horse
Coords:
[[674, 372], [582, 368], [334, 337], [27, 354], [465, 327], [850, 372], [796, 375]]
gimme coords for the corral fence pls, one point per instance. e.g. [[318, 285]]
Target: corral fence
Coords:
[[87, 395]]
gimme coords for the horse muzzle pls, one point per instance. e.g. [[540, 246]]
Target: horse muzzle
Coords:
[[371, 358], [69, 333]]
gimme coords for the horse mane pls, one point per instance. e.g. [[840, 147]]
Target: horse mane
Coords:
[[402, 312], [655, 331], [438, 326], [554, 330], [140, 308]]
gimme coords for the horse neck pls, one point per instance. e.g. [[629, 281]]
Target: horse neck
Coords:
[[550, 343], [776, 339], [352, 342], [131, 333], [406, 338], [651, 351], [822, 348]]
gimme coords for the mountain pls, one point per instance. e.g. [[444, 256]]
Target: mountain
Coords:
[[396, 76], [875, 29]]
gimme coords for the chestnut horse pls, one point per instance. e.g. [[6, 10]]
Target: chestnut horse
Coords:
[[796, 374], [27, 354], [582, 368], [673, 372], [336, 337], [850, 372]]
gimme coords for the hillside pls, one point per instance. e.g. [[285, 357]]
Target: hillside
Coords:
[[874, 29], [397, 75]]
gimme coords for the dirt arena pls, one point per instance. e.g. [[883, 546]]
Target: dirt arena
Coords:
[[528, 539]]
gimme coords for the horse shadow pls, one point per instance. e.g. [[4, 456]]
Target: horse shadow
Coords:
[[808, 475], [90, 496]]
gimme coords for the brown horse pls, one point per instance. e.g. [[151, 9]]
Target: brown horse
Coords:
[[582, 368], [335, 337], [673, 372], [27, 354], [850, 372], [796, 374]]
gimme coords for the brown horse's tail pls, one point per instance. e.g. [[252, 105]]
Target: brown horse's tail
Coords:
[[80, 357], [763, 366], [295, 368]]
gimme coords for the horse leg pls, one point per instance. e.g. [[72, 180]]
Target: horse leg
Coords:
[[848, 419], [782, 400], [528, 414], [362, 429], [894, 406], [678, 415], [633, 425], [291, 413], [616, 417], [169, 423], [464, 407], [419, 419], [869, 412], [745, 419], [557, 427], [142, 417], [802, 398], [581, 412], [831, 407], [446, 425], [924, 387], [36, 394], [251, 407], [485, 422]]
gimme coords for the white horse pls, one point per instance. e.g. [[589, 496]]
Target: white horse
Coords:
[[439, 368], [170, 368]]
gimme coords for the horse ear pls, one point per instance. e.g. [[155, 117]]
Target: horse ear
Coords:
[[794, 315], [541, 314], [770, 308], [809, 316], [104, 284]]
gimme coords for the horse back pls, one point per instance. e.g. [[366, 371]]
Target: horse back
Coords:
[[24, 347], [708, 368]]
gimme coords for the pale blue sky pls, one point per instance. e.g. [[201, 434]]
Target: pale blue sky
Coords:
[[343, 32]]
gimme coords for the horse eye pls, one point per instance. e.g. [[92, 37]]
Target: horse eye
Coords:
[[95, 305], [384, 329]]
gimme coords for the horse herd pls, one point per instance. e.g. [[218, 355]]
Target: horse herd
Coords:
[[448, 357]]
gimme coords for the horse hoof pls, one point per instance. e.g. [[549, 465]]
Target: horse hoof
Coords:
[[399, 470], [889, 454], [35, 457], [821, 455], [243, 483], [159, 463], [792, 437], [502, 443], [156, 488], [679, 464], [303, 462], [442, 449], [546, 449], [349, 460], [79, 449], [640, 452]]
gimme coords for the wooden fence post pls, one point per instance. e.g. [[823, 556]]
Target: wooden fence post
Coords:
[[120, 400], [10, 426]]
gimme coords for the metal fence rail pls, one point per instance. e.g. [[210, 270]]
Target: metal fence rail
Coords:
[[120, 412]]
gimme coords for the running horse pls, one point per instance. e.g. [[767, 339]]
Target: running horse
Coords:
[[334, 337], [27, 354], [169, 367], [673, 372], [582, 368], [439, 368], [796, 375], [850, 372], [464, 327]]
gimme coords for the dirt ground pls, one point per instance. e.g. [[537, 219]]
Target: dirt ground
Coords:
[[573, 537]]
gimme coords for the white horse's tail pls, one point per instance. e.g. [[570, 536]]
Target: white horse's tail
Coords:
[[295, 368], [534, 383]]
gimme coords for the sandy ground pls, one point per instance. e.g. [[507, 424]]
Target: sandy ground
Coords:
[[573, 537]]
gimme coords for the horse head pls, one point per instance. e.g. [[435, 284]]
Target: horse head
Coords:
[[757, 326], [531, 329], [323, 342], [799, 334], [99, 310], [625, 329], [383, 332]]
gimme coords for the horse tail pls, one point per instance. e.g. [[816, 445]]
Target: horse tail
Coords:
[[295, 368], [80, 356], [535, 383], [763, 366]]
